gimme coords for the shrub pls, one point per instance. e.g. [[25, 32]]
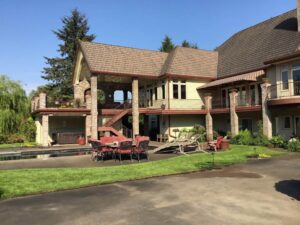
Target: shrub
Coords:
[[3, 139], [28, 129], [294, 146], [215, 135], [278, 141], [243, 138], [15, 138], [260, 139]]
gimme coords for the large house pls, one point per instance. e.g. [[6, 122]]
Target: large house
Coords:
[[254, 75]]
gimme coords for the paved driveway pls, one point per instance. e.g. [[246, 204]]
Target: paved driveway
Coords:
[[261, 192]]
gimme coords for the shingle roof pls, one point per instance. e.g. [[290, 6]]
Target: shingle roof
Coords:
[[193, 62], [248, 49], [116, 59], [103, 58]]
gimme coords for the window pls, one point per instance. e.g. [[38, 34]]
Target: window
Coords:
[[163, 91], [224, 98], [175, 89], [155, 91], [183, 90], [246, 124], [151, 97], [285, 80], [287, 122], [252, 94], [296, 80]]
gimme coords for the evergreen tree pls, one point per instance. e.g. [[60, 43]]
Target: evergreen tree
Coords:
[[187, 44], [59, 71], [167, 45]]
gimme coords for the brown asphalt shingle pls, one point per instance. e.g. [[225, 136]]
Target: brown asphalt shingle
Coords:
[[248, 49], [117, 59], [181, 61], [192, 62]]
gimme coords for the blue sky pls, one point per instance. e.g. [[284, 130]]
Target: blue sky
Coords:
[[26, 26]]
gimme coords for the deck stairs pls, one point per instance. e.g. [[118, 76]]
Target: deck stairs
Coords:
[[116, 118]]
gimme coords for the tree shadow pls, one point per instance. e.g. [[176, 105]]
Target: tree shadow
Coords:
[[289, 187]]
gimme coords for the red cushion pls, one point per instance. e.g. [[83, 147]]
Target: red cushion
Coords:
[[123, 151]]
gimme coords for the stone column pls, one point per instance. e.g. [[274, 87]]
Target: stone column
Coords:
[[45, 130], [94, 107], [266, 116], [234, 119], [88, 101], [36, 102], [208, 117], [135, 107], [88, 127], [42, 97]]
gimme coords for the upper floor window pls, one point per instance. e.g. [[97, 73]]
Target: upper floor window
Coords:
[[175, 89], [183, 90], [285, 80], [155, 91], [163, 90]]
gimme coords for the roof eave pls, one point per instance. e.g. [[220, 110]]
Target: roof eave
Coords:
[[283, 58]]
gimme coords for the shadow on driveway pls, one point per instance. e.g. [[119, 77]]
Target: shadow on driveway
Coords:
[[289, 187]]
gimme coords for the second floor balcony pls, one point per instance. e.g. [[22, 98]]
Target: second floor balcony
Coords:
[[283, 90]]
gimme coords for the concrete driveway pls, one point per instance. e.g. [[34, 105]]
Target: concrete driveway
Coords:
[[260, 192]]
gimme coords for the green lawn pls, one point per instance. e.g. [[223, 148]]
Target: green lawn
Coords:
[[18, 145], [30, 181]]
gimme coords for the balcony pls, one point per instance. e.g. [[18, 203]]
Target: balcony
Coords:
[[284, 93], [244, 103]]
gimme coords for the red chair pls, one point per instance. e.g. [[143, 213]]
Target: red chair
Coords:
[[124, 148], [215, 145], [142, 144]]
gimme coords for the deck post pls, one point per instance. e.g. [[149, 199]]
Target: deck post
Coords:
[[45, 130], [266, 116], [43, 100], [234, 119], [94, 107], [208, 117], [135, 107]]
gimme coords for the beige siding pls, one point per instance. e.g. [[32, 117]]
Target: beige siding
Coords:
[[185, 121]]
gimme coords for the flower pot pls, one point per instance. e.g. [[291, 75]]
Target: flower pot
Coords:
[[225, 144], [81, 141]]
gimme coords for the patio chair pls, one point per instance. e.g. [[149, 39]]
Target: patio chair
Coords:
[[96, 149], [215, 145], [142, 144], [124, 148]]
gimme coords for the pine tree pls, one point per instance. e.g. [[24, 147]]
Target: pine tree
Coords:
[[167, 45], [187, 44], [59, 71]]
